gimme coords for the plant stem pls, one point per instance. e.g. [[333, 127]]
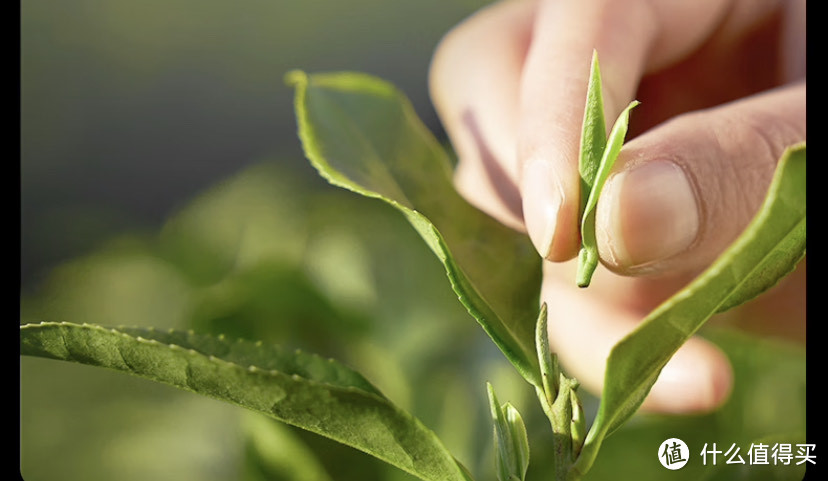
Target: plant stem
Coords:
[[559, 400], [566, 419]]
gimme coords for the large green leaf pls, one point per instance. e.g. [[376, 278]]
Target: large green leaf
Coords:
[[768, 249], [767, 404], [316, 394], [362, 134]]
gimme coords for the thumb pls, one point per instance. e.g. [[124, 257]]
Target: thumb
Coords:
[[686, 189]]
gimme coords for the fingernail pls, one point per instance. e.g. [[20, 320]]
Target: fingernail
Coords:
[[647, 214], [542, 198]]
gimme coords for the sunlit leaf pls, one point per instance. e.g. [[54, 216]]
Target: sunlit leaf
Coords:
[[362, 134], [316, 394], [770, 247]]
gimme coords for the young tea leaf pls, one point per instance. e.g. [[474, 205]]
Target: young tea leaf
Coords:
[[362, 134], [588, 255], [577, 423], [768, 249], [559, 400], [511, 441], [319, 395], [550, 371], [593, 133]]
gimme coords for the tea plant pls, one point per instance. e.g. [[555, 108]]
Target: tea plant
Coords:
[[361, 134], [597, 156]]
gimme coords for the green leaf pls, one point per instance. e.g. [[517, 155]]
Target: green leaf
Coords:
[[768, 249], [588, 255], [550, 370], [511, 441], [559, 400], [593, 133], [362, 134], [767, 398], [274, 452], [319, 395], [577, 422]]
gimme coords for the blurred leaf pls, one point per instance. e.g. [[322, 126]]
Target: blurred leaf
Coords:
[[339, 254], [769, 247], [116, 282], [257, 216], [79, 423], [319, 395], [275, 454], [511, 442], [347, 299], [274, 303], [362, 134], [387, 273]]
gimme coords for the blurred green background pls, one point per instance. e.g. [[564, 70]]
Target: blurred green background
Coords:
[[131, 108], [163, 184]]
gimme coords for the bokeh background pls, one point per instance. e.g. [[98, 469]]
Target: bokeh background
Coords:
[[131, 108], [162, 184]]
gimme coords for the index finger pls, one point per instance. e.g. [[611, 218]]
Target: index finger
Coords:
[[631, 37]]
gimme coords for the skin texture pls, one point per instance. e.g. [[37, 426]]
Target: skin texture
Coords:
[[722, 86]]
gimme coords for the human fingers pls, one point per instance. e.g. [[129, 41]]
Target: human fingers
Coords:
[[476, 77], [631, 38], [473, 81], [687, 188]]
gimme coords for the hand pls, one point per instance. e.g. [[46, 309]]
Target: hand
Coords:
[[723, 94]]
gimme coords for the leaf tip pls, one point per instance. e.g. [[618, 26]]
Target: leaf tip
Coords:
[[490, 390], [586, 268], [594, 63]]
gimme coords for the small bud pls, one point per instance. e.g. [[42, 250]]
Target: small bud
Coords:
[[577, 423], [548, 361], [511, 441]]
